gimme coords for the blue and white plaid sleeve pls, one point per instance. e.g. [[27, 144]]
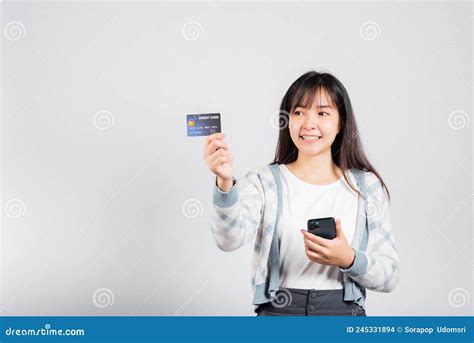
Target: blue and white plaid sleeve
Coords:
[[378, 267], [237, 214]]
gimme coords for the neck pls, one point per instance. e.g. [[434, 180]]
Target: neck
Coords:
[[319, 168]]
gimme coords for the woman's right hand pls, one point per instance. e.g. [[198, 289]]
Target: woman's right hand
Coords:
[[219, 159]]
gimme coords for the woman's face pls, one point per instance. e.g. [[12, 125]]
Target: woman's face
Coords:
[[321, 120]]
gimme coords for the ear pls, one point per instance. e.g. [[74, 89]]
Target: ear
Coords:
[[339, 127]]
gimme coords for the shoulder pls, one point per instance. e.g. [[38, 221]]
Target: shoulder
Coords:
[[370, 180], [368, 177]]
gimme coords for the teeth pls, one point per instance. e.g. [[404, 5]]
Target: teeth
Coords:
[[310, 137]]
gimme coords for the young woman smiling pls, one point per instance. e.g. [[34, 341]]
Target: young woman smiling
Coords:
[[319, 170]]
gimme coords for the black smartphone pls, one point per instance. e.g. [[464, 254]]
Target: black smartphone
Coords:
[[323, 227]]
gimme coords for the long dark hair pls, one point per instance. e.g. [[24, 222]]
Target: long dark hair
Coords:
[[346, 150]]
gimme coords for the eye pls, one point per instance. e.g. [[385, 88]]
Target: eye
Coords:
[[324, 112], [296, 112]]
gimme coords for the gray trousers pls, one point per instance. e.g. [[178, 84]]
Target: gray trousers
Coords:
[[309, 302]]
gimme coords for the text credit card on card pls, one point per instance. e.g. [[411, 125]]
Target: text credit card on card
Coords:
[[203, 124]]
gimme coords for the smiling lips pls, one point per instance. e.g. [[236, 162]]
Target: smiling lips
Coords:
[[310, 138]]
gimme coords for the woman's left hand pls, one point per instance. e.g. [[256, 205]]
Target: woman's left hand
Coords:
[[336, 252]]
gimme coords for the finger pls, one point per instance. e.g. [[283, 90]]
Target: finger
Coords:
[[316, 247], [314, 256], [219, 160], [211, 149], [217, 154], [219, 135], [316, 239], [215, 145], [339, 232]]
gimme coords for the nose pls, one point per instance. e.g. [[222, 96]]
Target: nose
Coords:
[[310, 121]]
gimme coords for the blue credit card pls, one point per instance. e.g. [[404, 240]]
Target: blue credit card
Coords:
[[203, 124]]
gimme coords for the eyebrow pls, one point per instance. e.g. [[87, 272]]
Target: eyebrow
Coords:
[[319, 106]]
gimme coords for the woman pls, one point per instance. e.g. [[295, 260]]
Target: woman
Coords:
[[319, 170]]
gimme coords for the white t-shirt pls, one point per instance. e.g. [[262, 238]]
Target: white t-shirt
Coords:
[[302, 201]]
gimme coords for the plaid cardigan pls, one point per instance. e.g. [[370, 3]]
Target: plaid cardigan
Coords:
[[251, 209]]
